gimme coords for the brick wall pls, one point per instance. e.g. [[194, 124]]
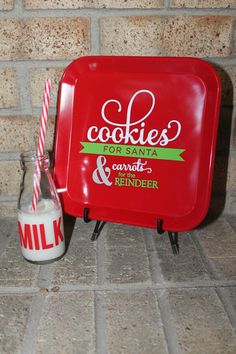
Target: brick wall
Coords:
[[38, 39]]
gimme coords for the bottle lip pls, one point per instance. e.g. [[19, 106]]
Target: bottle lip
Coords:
[[31, 156]]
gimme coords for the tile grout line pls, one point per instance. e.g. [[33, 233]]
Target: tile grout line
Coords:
[[99, 301], [154, 263], [100, 248], [168, 323], [124, 287], [208, 264], [161, 295], [32, 324], [228, 306], [220, 291], [230, 222], [44, 279], [100, 323]]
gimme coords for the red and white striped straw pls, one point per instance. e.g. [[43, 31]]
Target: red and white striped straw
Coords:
[[41, 142]]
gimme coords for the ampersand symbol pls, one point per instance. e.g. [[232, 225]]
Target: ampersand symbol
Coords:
[[101, 174]]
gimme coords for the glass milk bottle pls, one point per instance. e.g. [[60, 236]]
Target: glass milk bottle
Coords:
[[40, 223]]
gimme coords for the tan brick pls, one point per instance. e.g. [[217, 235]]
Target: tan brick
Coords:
[[217, 239], [14, 313], [15, 271], [201, 322], [9, 96], [10, 39], [228, 79], [203, 3], [55, 38], [10, 177], [73, 270], [231, 185], [67, 324], [221, 251], [21, 133], [44, 38], [184, 35], [76, 4], [37, 79], [174, 268], [134, 323], [124, 262], [6, 4]]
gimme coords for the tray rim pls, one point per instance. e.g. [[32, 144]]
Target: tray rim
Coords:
[[67, 78]]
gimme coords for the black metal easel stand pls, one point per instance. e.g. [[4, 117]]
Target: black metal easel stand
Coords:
[[98, 227], [173, 237]]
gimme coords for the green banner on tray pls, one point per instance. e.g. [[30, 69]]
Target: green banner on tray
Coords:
[[139, 151]]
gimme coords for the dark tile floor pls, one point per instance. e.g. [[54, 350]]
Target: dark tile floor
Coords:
[[124, 293]]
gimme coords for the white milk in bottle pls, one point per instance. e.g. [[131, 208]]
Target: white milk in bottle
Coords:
[[41, 233], [40, 221]]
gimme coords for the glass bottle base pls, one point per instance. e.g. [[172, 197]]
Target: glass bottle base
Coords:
[[45, 262]]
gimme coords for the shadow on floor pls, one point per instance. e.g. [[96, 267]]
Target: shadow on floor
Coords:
[[69, 223]]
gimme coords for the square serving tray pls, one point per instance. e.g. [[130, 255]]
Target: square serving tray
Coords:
[[135, 139]]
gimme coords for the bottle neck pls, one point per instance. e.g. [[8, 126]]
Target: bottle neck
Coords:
[[30, 160]]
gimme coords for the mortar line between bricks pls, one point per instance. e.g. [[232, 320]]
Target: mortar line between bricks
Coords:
[[166, 3], [227, 304], [100, 247], [161, 295], [206, 261], [32, 324], [100, 323], [94, 35], [8, 198], [18, 7], [23, 84], [8, 290], [18, 290], [19, 13], [9, 156], [44, 280], [34, 63], [168, 323], [44, 63], [23, 112], [230, 223], [225, 301], [154, 263], [99, 303], [231, 142]]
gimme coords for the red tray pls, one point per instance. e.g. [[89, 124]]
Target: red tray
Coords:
[[135, 139]]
